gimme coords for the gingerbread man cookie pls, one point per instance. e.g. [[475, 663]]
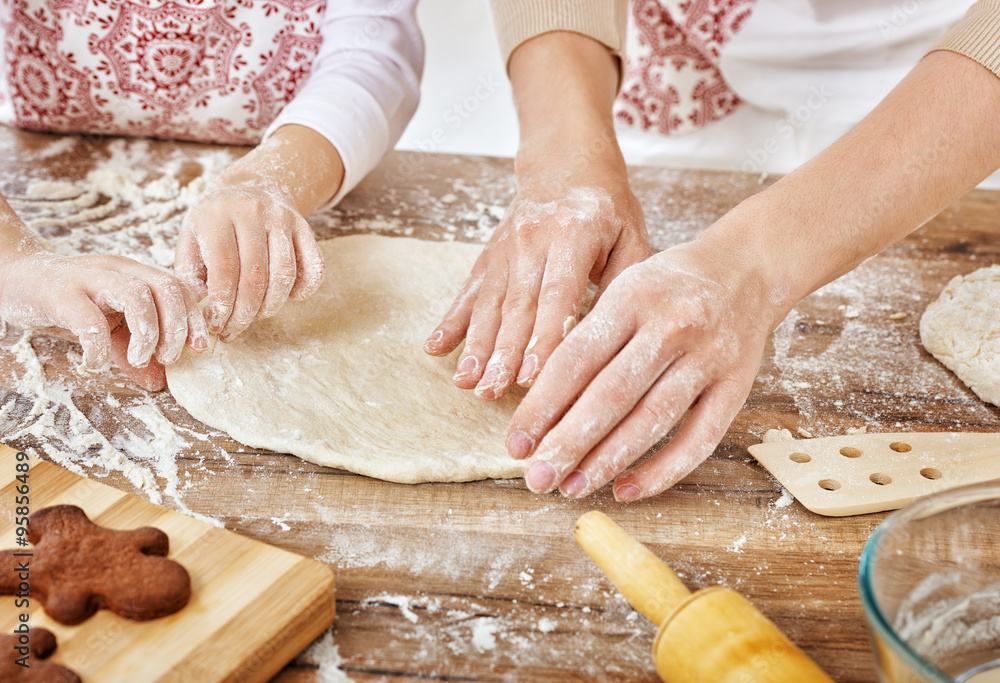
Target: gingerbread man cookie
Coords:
[[78, 567], [24, 655]]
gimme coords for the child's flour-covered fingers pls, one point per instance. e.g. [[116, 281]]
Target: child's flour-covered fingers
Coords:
[[189, 267], [104, 301], [253, 251], [251, 285], [309, 262]]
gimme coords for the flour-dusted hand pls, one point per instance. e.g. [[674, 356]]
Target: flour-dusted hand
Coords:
[[530, 284], [246, 243], [250, 250], [675, 339], [119, 309], [574, 219]]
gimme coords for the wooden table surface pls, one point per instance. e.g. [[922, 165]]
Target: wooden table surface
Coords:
[[482, 581]]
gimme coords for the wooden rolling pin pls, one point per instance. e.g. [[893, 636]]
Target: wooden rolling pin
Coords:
[[712, 636]]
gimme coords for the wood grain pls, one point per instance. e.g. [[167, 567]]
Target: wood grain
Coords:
[[423, 570], [253, 607]]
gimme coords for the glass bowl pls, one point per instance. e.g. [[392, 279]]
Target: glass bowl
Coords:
[[930, 585]]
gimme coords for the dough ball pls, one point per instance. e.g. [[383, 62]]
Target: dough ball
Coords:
[[962, 330]]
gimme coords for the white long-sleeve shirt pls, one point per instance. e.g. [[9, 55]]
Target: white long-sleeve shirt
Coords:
[[221, 71]]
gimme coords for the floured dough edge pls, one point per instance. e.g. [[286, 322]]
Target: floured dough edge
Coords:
[[320, 453], [191, 383]]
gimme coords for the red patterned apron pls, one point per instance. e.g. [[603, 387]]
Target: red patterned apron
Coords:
[[672, 80], [191, 70]]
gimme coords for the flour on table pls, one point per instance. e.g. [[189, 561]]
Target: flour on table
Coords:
[[777, 436], [43, 410], [326, 656], [341, 379], [962, 330]]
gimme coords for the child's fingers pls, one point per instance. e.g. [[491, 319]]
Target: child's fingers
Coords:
[[143, 322], [220, 253], [114, 291], [188, 264], [309, 262], [281, 272], [197, 328], [171, 310], [152, 377], [253, 279], [90, 326]]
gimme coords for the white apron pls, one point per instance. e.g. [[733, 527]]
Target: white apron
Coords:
[[787, 77]]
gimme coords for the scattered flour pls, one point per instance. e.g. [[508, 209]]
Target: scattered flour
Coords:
[[786, 499], [326, 657], [144, 448], [121, 206], [872, 369], [400, 601], [484, 634]]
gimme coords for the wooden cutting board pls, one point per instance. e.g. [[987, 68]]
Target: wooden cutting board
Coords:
[[253, 606]]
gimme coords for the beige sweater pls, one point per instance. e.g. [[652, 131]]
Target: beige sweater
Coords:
[[603, 20], [977, 36]]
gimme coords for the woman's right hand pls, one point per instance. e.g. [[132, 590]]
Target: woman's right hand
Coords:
[[574, 227], [120, 310]]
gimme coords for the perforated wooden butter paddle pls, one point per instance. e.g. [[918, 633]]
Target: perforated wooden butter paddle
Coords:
[[853, 475]]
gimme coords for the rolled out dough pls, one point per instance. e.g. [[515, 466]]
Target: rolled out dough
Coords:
[[962, 330], [340, 379]]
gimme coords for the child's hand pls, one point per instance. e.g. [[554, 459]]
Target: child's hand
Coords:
[[246, 243], [119, 309], [250, 251]]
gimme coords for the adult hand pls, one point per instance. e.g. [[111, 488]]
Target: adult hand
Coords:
[[530, 284], [574, 219], [681, 333], [119, 309], [250, 251]]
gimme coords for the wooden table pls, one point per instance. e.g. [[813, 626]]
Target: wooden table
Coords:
[[483, 581]]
